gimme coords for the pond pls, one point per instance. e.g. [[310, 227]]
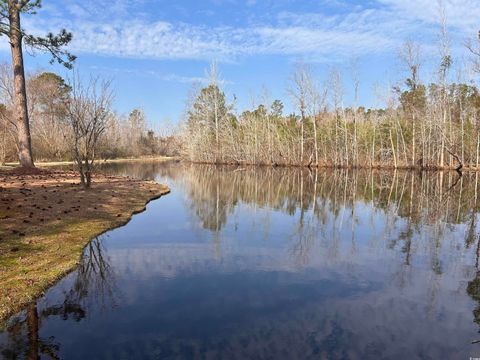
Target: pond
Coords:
[[272, 263]]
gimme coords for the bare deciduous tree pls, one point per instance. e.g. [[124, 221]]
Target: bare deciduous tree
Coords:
[[300, 83], [88, 112], [410, 57], [474, 48]]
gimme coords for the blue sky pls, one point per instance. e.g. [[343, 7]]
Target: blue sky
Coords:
[[155, 50]]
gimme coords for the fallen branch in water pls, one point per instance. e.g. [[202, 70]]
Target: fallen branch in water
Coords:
[[460, 164]]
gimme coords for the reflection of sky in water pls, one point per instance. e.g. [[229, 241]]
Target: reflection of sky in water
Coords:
[[204, 273]]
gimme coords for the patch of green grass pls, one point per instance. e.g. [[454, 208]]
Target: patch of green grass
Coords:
[[30, 264]]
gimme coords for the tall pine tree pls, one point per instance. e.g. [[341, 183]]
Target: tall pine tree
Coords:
[[10, 26]]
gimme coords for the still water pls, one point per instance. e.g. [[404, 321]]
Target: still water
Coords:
[[245, 263]]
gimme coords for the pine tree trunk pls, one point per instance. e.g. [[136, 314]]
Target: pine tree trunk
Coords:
[[21, 112]]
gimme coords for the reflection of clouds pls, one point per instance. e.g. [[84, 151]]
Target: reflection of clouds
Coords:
[[284, 263], [382, 325], [171, 260], [399, 272]]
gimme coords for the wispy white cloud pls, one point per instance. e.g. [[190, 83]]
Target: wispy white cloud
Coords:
[[379, 27], [158, 75], [461, 15]]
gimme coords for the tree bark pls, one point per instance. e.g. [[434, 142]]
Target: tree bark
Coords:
[[21, 110]]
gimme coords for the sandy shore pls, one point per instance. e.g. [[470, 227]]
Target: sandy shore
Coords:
[[46, 219]]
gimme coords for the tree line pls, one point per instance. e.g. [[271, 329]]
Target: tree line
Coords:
[[50, 101], [423, 125]]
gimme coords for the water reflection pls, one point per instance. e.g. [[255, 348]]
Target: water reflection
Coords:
[[409, 206], [93, 281], [273, 263]]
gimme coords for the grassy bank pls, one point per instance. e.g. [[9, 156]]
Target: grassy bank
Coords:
[[47, 219]]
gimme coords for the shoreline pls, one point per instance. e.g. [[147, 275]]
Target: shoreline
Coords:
[[48, 219], [343, 167], [42, 164]]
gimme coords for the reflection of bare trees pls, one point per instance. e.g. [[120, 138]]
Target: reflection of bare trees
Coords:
[[316, 198], [417, 210], [473, 286], [409, 201], [413, 213], [305, 232], [473, 289], [423, 198], [95, 277], [211, 200], [93, 283]]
